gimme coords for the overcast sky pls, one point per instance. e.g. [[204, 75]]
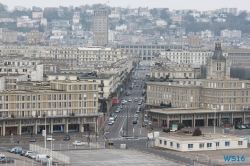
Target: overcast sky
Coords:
[[171, 4]]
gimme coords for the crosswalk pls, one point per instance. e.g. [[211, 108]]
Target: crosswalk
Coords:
[[131, 107]]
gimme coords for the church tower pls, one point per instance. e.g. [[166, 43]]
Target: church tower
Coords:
[[218, 66]]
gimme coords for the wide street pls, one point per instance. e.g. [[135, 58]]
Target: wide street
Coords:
[[123, 125]]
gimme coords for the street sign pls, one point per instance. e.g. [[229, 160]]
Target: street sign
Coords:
[[44, 133], [174, 126], [149, 122]]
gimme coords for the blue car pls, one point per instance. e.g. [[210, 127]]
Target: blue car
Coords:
[[18, 150]]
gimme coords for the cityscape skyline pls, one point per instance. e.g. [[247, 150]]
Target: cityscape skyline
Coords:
[[180, 4]]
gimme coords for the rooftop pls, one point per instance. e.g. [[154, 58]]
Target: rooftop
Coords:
[[179, 136]]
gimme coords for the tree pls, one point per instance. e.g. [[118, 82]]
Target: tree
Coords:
[[197, 132], [154, 11], [189, 18], [2, 7], [164, 15], [180, 126]]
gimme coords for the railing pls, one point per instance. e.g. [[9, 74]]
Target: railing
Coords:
[[48, 152]]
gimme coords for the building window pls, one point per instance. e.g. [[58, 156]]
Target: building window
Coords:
[[171, 144], [23, 98], [209, 145], [190, 146], [178, 145], [227, 143], [165, 142], [201, 145], [94, 87], [80, 87], [160, 141], [85, 87], [85, 97], [94, 96], [217, 144], [39, 97], [49, 97], [240, 143], [80, 96], [7, 98], [218, 66], [70, 87]]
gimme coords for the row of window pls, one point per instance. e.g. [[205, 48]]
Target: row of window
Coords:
[[49, 97], [201, 145], [49, 105]]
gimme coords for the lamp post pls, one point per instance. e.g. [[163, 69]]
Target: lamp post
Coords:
[[127, 121], [214, 119], [45, 130]]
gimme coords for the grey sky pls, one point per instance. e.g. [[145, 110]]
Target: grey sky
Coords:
[[171, 4]]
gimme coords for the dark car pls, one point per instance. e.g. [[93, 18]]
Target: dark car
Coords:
[[66, 138], [247, 126], [135, 121], [32, 139], [238, 127], [7, 160]]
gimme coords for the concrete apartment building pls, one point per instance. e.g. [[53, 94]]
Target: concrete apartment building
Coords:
[[197, 102], [194, 42], [100, 27], [33, 69], [9, 81], [110, 80], [33, 37], [68, 106], [175, 70], [81, 54], [147, 52], [199, 58], [9, 36]]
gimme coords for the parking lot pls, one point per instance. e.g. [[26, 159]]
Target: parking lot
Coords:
[[19, 160], [114, 157]]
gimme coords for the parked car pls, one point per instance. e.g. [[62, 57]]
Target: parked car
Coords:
[[135, 100], [23, 152], [129, 100], [78, 143], [32, 155], [2, 156], [27, 153], [136, 116], [50, 138], [120, 106], [11, 150], [243, 127], [18, 150], [247, 126], [45, 161], [32, 139], [111, 122], [39, 157], [140, 102], [138, 109], [66, 138], [117, 110], [7, 160], [238, 127]]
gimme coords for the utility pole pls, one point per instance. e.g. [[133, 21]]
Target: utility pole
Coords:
[[127, 121]]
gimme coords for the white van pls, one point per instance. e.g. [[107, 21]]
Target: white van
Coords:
[[42, 156]]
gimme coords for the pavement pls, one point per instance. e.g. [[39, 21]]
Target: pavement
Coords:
[[114, 157]]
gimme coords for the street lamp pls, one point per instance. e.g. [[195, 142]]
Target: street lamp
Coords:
[[45, 130], [214, 118]]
